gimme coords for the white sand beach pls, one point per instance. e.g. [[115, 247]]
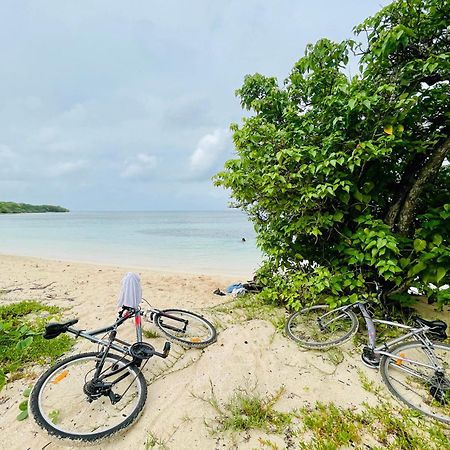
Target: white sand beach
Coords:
[[248, 354]]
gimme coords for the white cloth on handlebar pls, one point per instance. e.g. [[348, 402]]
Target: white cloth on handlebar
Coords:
[[131, 292]]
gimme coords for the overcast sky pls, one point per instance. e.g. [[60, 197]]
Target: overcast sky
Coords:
[[114, 105]]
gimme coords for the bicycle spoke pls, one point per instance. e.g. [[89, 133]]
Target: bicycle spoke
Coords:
[[417, 381], [318, 327], [186, 327], [62, 404]]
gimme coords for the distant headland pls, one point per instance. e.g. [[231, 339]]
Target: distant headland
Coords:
[[16, 208]]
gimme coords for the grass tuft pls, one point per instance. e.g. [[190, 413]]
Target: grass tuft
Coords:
[[150, 334], [21, 340], [249, 307], [155, 443], [375, 427], [249, 410]]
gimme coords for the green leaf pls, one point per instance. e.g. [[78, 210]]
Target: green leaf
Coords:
[[404, 262], [358, 196], [27, 392], [419, 245], [23, 344], [440, 273], [2, 379], [344, 197], [23, 415], [23, 406], [54, 416], [417, 268], [381, 243]]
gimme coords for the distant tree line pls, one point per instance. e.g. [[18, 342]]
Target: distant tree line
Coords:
[[15, 208]]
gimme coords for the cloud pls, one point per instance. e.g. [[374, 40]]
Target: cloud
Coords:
[[77, 112], [47, 135], [9, 162], [6, 154], [208, 153], [141, 166], [65, 168], [54, 139], [188, 112]]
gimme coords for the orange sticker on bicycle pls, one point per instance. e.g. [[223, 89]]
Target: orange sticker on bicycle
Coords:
[[60, 377], [400, 361], [195, 339]]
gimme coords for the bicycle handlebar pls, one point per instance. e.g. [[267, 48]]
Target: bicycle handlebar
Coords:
[[166, 349]]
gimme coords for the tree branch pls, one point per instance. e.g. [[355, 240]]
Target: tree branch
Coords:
[[430, 168]]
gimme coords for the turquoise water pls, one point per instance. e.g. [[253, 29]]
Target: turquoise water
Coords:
[[198, 242]]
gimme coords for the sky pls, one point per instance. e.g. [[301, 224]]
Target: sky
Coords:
[[113, 105]]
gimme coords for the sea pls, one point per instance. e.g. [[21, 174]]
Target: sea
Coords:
[[213, 242]]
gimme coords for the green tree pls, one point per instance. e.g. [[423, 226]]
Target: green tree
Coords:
[[345, 178]]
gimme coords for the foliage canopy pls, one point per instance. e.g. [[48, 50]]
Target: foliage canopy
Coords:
[[345, 177]]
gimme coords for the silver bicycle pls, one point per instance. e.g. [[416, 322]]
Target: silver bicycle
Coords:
[[415, 366]]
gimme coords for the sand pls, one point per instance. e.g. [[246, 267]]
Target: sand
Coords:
[[249, 354]]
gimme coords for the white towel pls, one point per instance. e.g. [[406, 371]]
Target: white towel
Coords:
[[131, 292]]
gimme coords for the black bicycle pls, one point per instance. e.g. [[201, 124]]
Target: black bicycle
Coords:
[[415, 371], [90, 396]]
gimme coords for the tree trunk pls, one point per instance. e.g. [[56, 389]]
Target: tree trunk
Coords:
[[431, 167], [403, 187]]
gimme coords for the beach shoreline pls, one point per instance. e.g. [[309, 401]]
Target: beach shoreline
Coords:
[[143, 267]]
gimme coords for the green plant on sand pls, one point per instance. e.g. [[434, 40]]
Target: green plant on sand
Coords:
[[21, 340]]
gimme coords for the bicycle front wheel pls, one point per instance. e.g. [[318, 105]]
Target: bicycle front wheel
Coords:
[[420, 377], [60, 405], [321, 328], [186, 328]]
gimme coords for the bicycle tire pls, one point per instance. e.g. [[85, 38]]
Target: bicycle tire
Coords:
[[199, 332], [303, 327], [417, 386], [77, 419]]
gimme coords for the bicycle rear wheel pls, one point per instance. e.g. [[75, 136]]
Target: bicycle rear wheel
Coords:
[[59, 404], [416, 380], [186, 328], [319, 327]]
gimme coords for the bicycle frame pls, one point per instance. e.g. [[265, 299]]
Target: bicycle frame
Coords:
[[124, 315], [419, 333]]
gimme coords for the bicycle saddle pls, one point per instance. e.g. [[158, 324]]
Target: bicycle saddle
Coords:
[[437, 327], [53, 330]]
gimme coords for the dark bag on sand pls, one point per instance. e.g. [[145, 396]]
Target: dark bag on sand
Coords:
[[251, 286]]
